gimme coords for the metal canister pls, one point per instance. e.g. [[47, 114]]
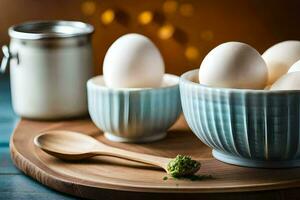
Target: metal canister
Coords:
[[50, 63]]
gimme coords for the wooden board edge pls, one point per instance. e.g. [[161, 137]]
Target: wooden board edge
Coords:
[[68, 187], [36, 173]]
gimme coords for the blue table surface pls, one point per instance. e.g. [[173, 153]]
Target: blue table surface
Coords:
[[13, 183]]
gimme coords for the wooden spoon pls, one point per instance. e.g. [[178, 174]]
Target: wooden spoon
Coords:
[[70, 145]]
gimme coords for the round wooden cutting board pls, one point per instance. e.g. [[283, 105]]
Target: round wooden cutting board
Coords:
[[109, 178]]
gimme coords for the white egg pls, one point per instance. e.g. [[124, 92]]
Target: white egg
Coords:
[[233, 65], [295, 67], [290, 81], [133, 61], [280, 57]]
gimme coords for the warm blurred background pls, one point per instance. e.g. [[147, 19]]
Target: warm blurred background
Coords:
[[184, 30]]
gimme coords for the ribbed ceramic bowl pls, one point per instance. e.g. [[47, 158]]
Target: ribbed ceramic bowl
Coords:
[[134, 115], [254, 128]]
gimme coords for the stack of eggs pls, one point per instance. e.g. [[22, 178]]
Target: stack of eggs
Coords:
[[283, 62], [134, 100], [231, 112], [238, 65]]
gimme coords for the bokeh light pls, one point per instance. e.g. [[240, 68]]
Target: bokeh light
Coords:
[[192, 53], [207, 35], [145, 17], [166, 31], [88, 8], [186, 10], [170, 6], [108, 16]]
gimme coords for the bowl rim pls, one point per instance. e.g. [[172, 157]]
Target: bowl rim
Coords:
[[185, 78], [175, 78]]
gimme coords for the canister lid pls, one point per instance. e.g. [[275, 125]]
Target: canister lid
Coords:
[[36, 30]]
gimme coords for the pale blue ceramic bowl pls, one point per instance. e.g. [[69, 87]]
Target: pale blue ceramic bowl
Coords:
[[254, 128], [134, 115]]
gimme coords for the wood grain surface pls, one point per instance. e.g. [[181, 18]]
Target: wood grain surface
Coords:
[[113, 177]]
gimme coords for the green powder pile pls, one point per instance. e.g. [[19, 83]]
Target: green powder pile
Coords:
[[182, 166]]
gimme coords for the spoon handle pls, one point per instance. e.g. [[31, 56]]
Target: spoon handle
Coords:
[[133, 156]]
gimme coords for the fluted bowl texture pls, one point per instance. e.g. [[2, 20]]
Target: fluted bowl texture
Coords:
[[254, 128], [134, 115]]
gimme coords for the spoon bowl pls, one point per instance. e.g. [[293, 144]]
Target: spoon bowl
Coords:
[[61, 144]]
